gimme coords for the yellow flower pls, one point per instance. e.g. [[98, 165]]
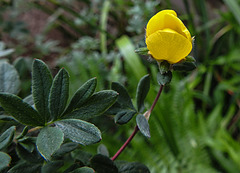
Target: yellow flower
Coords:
[[167, 38]]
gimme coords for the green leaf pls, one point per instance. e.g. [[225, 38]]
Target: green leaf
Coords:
[[41, 84], [29, 100], [29, 143], [103, 164], [127, 48], [48, 141], [5, 160], [124, 116], [6, 118], [184, 66], [102, 149], [24, 154], [123, 99], [59, 94], [142, 91], [9, 78], [25, 167], [64, 149], [142, 51], [165, 78], [114, 109], [23, 66], [24, 132], [143, 125], [20, 110], [164, 67], [6, 52], [82, 94], [53, 166], [79, 131], [82, 156], [123, 109], [96, 105], [7, 137], [74, 166], [133, 167], [234, 7], [190, 59], [83, 170]]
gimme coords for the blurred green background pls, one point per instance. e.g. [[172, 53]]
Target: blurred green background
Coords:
[[195, 125]]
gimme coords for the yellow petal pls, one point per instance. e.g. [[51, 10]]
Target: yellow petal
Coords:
[[167, 19], [174, 23], [156, 22], [168, 45]]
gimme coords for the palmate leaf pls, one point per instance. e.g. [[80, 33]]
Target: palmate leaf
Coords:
[[142, 91], [79, 131], [20, 110], [41, 84], [59, 94], [81, 95], [49, 140], [96, 105]]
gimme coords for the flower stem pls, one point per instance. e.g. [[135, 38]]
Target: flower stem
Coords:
[[156, 99], [136, 127], [126, 143], [33, 129]]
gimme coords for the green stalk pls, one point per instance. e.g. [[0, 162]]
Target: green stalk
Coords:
[[207, 85], [103, 22], [204, 19], [190, 17], [233, 5]]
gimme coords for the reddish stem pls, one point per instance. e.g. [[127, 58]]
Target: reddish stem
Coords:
[[136, 127], [156, 99], [125, 144]]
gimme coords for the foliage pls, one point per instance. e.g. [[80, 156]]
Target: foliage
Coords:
[[49, 102], [49, 113]]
